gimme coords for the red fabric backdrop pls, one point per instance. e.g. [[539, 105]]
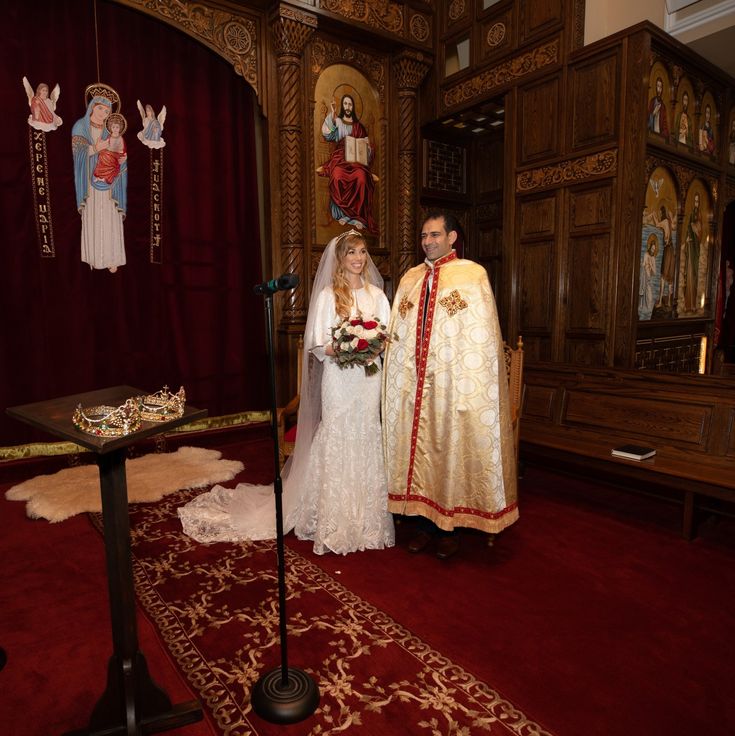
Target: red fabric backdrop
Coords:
[[192, 320]]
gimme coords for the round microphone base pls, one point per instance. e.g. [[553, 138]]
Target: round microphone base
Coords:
[[290, 702]]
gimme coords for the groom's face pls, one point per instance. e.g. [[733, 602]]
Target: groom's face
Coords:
[[435, 240]]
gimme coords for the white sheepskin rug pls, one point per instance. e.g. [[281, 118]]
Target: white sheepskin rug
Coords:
[[149, 478]]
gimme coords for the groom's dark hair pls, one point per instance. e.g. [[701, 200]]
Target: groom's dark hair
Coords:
[[450, 221]]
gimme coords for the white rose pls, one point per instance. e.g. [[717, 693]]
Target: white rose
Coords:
[[358, 330], [370, 334], [353, 342]]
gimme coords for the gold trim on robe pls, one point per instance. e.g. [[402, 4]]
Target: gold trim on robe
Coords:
[[446, 411]]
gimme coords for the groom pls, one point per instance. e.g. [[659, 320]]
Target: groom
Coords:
[[447, 434]]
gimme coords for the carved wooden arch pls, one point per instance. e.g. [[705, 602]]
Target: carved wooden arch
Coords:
[[324, 53], [236, 37], [681, 176], [710, 186]]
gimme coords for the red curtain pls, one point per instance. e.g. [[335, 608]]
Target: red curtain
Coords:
[[192, 320]]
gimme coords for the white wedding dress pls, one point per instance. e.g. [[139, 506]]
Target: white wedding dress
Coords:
[[344, 500], [337, 494]]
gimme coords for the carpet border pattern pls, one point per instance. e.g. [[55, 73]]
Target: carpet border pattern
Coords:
[[450, 699]]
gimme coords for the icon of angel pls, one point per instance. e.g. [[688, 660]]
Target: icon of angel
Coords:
[[152, 126], [43, 106]]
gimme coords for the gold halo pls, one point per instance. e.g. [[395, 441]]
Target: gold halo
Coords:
[[98, 89], [116, 116], [347, 89]]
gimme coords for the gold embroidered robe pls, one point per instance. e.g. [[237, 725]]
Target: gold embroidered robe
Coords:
[[447, 431]]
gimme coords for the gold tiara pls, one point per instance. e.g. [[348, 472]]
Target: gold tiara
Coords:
[[162, 405], [348, 233], [108, 421]]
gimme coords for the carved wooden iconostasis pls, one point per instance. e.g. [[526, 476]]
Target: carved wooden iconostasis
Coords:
[[589, 135], [558, 202], [500, 92], [335, 55], [680, 281]]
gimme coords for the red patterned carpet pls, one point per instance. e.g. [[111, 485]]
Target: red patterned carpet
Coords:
[[216, 609], [589, 616]]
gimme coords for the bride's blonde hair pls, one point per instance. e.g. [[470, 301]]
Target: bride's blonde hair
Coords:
[[340, 284]]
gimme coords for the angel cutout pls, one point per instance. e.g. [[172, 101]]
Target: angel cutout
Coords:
[[152, 126], [43, 106]]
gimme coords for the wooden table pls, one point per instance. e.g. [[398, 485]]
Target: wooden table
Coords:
[[132, 704]]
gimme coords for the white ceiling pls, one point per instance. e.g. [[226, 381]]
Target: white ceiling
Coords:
[[719, 48], [707, 27]]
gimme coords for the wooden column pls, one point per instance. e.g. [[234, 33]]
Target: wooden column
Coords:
[[291, 30], [409, 70]]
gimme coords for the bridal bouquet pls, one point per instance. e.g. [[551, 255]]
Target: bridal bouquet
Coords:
[[359, 341]]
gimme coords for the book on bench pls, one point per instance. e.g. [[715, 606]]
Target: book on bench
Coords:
[[633, 452]]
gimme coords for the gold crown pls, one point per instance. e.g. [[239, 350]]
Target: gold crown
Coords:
[[108, 421], [99, 89], [162, 405]]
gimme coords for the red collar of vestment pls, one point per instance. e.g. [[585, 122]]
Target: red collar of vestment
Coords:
[[444, 259]]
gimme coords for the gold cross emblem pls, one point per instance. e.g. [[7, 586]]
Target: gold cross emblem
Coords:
[[405, 307], [453, 303]]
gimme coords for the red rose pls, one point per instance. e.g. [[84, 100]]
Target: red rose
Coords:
[[355, 322], [362, 344], [371, 325]]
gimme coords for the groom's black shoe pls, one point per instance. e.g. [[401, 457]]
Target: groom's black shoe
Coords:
[[448, 546], [420, 542]]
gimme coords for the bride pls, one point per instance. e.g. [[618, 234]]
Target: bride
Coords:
[[334, 486]]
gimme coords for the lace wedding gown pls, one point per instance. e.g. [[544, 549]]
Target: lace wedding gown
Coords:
[[340, 501]]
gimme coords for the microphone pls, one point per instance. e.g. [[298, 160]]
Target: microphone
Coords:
[[282, 283]]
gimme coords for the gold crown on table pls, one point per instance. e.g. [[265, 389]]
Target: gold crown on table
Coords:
[[108, 421], [162, 405]]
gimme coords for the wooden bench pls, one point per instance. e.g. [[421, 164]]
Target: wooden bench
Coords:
[[576, 417]]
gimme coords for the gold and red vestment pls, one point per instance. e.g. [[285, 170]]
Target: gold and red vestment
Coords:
[[446, 414]]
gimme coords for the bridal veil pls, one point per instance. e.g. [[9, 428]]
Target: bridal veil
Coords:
[[249, 511]]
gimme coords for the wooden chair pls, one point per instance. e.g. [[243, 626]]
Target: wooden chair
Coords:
[[514, 368], [286, 415]]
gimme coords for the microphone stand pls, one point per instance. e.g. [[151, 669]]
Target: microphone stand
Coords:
[[285, 694]]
